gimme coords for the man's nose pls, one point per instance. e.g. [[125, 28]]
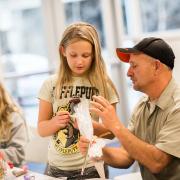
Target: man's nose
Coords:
[[129, 72]]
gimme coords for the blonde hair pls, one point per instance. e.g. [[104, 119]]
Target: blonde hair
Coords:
[[7, 106], [97, 74]]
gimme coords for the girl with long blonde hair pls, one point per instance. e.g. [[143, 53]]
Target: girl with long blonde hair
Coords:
[[81, 75]]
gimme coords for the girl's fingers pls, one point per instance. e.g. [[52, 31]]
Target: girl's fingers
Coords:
[[84, 140], [83, 144], [60, 113], [75, 124], [64, 117]]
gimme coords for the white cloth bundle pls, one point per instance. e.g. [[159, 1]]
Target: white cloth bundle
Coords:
[[95, 150]]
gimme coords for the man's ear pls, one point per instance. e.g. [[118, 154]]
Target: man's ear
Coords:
[[158, 64], [62, 50]]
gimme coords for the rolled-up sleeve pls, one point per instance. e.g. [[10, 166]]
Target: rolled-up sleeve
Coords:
[[168, 138]]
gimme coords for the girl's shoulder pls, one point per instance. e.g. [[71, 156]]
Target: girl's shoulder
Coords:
[[51, 80]]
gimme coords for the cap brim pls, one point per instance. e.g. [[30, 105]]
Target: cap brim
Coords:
[[124, 53]]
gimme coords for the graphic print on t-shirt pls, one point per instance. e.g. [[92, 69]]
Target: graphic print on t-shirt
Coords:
[[65, 140], [78, 91]]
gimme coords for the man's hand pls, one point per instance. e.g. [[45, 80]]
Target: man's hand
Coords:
[[106, 111]]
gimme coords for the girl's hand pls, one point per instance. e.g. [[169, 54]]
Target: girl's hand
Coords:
[[61, 119], [75, 124], [83, 144]]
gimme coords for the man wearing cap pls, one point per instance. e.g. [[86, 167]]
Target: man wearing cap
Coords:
[[153, 134]]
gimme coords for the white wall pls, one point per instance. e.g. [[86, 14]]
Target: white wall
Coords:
[[176, 47]]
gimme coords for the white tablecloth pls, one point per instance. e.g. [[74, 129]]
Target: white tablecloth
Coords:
[[37, 176], [132, 176]]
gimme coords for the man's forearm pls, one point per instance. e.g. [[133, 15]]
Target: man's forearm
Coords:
[[147, 154], [117, 157], [101, 131]]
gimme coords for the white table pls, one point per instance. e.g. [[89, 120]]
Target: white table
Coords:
[[37, 176], [44, 177], [131, 176]]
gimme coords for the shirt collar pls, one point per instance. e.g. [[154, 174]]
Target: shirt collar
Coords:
[[166, 95]]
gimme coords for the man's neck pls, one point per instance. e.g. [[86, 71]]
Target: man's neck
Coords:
[[158, 88]]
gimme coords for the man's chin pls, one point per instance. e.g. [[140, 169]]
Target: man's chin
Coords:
[[135, 87]]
